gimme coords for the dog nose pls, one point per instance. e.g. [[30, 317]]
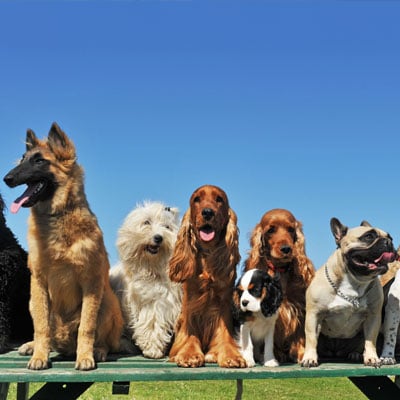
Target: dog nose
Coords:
[[207, 213], [245, 303], [8, 179], [286, 249], [157, 239]]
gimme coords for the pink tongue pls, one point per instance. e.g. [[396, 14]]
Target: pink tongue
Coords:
[[386, 257], [16, 206], [207, 236]]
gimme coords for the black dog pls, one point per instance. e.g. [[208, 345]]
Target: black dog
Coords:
[[15, 320]]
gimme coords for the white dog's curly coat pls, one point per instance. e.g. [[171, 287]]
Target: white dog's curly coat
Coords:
[[150, 301]]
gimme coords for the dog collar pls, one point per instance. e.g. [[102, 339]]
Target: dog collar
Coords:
[[351, 299], [273, 268]]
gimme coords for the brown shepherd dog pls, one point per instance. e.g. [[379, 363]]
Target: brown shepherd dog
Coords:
[[73, 308]]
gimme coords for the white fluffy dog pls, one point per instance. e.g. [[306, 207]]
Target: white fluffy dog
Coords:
[[150, 302]]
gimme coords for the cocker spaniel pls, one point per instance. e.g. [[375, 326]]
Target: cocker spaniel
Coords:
[[204, 260], [278, 245]]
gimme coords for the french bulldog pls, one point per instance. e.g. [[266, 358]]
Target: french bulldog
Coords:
[[344, 300]]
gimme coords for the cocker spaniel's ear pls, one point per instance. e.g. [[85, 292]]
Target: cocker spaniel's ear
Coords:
[[182, 264], [256, 248], [300, 240], [232, 237], [305, 266]]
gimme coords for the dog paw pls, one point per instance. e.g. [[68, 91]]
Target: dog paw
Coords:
[[85, 363], [309, 362], [233, 362], [193, 361], [250, 362], [211, 358], [26, 349], [100, 354], [271, 363], [153, 353], [36, 363], [388, 360], [355, 356], [372, 362]]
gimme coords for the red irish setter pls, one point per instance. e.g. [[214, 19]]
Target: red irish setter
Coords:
[[204, 260], [277, 245]]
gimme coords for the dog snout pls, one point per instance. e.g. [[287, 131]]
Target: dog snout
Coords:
[[9, 180], [285, 249], [157, 239], [245, 303], [207, 213]]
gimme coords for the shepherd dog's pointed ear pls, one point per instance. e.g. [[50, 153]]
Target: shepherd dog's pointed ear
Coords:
[[60, 144], [31, 139]]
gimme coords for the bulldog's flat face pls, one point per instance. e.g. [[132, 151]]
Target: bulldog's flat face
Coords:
[[366, 250]]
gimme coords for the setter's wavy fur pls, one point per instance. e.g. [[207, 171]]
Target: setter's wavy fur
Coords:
[[205, 258], [277, 244]]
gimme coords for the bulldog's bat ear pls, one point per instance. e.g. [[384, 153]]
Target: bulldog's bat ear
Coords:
[[338, 229], [366, 224]]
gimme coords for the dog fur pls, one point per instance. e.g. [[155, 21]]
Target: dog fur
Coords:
[[73, 307], [278, 245], [204, 260], [344, 300], [256, 301], [391, 314], [150, 301], [15, 320]]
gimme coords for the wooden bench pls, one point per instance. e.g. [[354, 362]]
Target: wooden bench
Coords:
[[63, 382]]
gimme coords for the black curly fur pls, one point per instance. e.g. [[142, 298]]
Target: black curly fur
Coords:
[[15, 320]]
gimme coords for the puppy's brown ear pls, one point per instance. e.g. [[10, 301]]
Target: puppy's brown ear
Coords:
[[183, 261], [338, 229], [366, 224], [256, 248]]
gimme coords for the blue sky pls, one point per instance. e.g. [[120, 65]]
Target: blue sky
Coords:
[[290, 104]]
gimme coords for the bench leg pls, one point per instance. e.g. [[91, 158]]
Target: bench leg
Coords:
[[61, 391], [22, 390], [4, 390], [239, 389], [397, 380], [377, 387], [120, 387]]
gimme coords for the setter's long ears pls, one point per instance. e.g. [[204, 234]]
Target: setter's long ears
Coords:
[[256, 248], [183, 261]]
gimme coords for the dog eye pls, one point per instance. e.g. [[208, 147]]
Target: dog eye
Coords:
[[291, 230], [369, 236], [271, 230], [196, 199], [39, 160], [147, 222], [219, 199], [167, 227]]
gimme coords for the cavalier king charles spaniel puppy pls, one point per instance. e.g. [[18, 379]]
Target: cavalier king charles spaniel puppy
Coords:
[[256, 301], [278, 245], [204, 261]]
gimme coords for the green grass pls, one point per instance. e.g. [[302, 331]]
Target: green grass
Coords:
[[277, 389]]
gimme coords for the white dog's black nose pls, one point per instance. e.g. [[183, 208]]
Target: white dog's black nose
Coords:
[[157, 239], [245, 303], [207, 213]]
